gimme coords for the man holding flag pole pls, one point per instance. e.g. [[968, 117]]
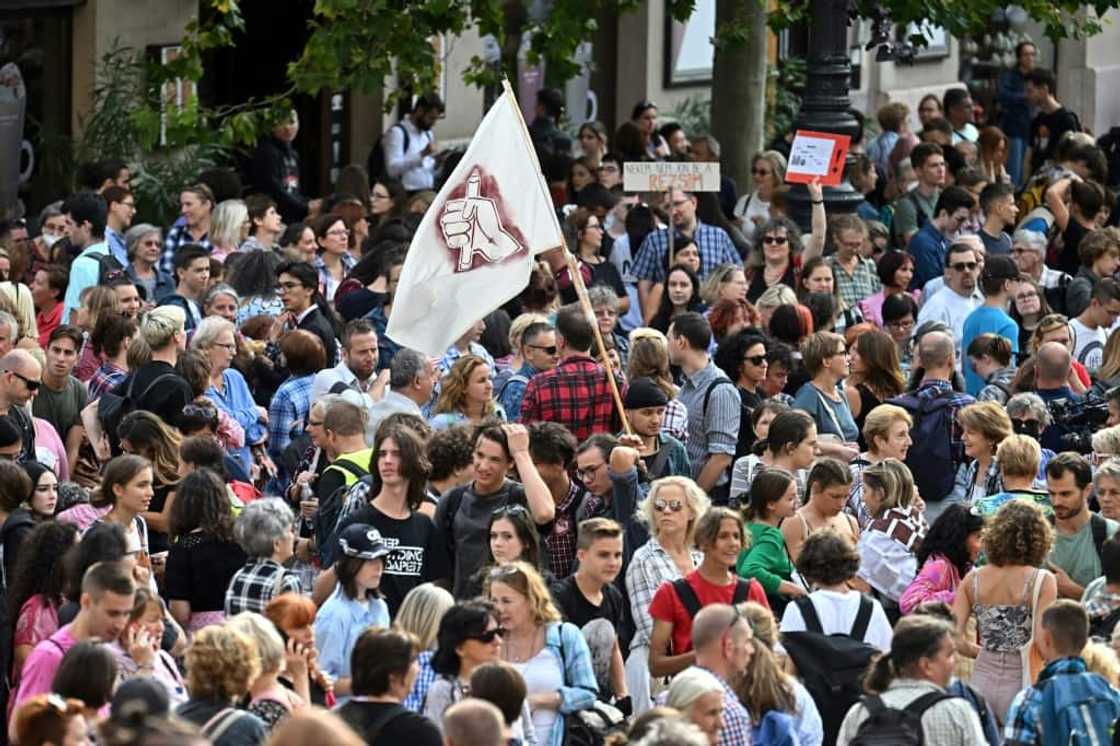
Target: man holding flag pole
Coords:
[[476, 245]]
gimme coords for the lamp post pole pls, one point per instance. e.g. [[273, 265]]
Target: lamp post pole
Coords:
[[826, 106]]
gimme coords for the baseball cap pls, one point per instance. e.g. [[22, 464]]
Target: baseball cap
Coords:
[[362, 541]]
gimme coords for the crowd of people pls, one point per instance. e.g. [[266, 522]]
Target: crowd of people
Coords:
[[860, 482]]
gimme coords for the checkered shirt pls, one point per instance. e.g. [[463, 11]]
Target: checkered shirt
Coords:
[[177, 236], [862, 283], [257, 583], [287, 413], [561, 541], [576, 394], [105, 378], [713, 242]]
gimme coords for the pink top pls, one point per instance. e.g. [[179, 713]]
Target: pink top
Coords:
[[37, 621], [41, 666], [82, 515], [872, 306], [49, 449], [936, 582]]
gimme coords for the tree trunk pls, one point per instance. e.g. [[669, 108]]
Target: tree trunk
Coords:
[[739, 88]]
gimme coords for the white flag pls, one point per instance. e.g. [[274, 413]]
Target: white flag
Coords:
[[474, 248]]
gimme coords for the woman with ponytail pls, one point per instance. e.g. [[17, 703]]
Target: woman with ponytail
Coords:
[[789, 443], [919, 665], [767, 691], [773, 497], [990, 355]]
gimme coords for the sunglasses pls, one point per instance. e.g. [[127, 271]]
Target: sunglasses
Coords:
[[31, 385], [663, 506], [963, 266], [509, 510], [756, 360], [504, 571], [549, 349], [488, 636], [774, 240]]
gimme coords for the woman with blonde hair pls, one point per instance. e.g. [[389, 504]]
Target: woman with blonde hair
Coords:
[[725, 282], [670, 510], [270, 700], [1052, 328], [466, 395], [887, 548], [229, 227], [419, 614], [649, 358], [771, 298], [766, 688], [222, 663], [886, 431], [984, 425], [549, 653], [1019, 458], [698, 695], [1007, 597]]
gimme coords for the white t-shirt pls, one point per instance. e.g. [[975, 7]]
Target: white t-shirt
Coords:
[[951, 308], [837, 612], [1088, 344], [544, 672]]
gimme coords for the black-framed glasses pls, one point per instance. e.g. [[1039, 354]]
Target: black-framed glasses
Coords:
[[489, 635], [584, 475], [755, 360], [31, 384]]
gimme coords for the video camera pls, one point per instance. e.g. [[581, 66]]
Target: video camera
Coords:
[[1077, 421]]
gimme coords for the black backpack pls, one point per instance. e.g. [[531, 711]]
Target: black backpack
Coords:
[[692, 604], [376, 164], [887, 726], [327, 517], [832, 667], [112, 408], [108, 268], [930, 458]]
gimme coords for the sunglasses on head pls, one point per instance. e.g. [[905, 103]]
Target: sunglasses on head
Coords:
[[488, 636], [509, 510]]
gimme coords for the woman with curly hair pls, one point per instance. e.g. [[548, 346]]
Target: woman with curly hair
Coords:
[[145, 434], [37, 589], [203, 556], [828, 562], [466, 395], [944, 557], [776, 259], [1007, 596], [221, 664]]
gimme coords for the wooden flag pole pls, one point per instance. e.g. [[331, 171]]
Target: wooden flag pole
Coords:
[[589, 312]]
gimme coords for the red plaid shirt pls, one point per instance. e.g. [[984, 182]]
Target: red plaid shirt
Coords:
[[576, 394]]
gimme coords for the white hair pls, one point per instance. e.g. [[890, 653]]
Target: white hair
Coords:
[[209, 330], [690, 685]]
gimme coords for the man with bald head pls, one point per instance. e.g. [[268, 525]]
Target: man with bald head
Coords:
[[723, 642], [473, 722], [21, 375], [1051, 375], [937, 359]]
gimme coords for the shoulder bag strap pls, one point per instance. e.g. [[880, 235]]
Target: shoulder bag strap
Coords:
[[1034, 595], [863, 618], [216, 726], [1099, 526], [828, 408]]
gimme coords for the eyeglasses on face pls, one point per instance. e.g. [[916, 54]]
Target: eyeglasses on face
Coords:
[[547, 349], [755, 360], [584, 475], [31, 384], [662, 505], [963, 266], [774, 240]]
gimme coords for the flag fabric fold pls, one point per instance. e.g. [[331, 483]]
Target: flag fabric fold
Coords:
[[475, 247]]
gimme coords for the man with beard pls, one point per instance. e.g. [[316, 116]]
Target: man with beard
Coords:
[[359, 363], [1078, 532], [957, 300]]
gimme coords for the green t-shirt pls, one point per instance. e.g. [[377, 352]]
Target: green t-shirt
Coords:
[[1076, 554], [63, 409], [767, 561]]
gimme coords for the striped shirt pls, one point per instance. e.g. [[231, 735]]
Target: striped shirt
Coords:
[[715, 429]]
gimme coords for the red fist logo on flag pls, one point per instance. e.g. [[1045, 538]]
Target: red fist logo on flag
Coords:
[[472, 225]]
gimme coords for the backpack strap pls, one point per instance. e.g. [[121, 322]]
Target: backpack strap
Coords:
[[404, 132], [708, 393], [1099, 526], [874, 705], [863, 618], [809, 615], [687, 596], [742, 589], [924, 702]]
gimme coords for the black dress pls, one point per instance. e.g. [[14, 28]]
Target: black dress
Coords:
[[867, 402]]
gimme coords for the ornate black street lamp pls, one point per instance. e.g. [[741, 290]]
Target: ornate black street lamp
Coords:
[[826, 106]]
